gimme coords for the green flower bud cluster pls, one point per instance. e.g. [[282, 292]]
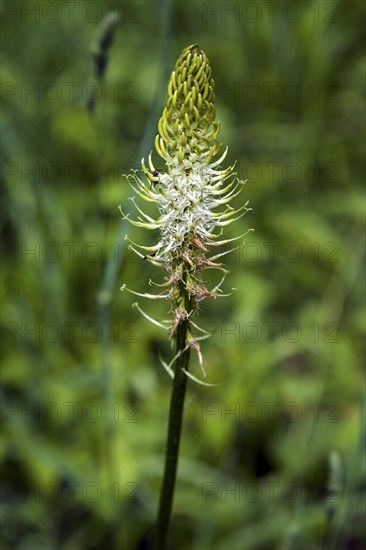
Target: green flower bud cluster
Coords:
[[187, 128]]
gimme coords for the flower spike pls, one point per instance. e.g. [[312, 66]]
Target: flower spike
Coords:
[[192, 192]]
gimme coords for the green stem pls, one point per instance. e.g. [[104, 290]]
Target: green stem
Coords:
[[174, 431]]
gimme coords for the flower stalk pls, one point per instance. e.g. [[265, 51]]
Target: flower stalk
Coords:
[[160, 539], [193, 195]]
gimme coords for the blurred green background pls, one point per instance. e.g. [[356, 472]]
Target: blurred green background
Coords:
[[272, 457]]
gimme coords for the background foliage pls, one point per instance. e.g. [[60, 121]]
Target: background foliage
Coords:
[[272, 457]]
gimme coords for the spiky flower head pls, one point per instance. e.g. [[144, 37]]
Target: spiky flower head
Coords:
[[193, 193]]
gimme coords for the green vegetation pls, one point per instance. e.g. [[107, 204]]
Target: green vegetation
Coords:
[[271, 457]]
